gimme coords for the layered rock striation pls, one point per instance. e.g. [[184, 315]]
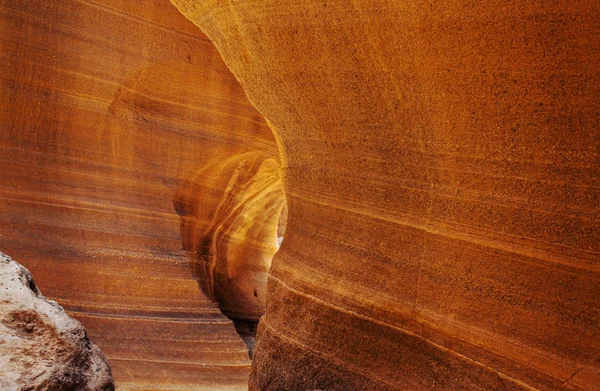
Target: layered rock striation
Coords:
[[231, 222], [41, 347], [442, 170], [441, 166], [106, 108]]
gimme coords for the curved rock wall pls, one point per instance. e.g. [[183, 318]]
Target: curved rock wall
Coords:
[[232, 221], [106, 106], [233, 232], [442, 170]]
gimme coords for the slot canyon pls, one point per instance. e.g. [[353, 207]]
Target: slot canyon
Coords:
[[300, 195]]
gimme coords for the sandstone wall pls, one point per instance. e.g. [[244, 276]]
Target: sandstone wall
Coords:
[[106, 107], [442, 170]]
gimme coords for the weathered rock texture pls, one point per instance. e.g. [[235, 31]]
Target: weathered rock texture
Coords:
[[442, 170], [41, 347], [106, 107]]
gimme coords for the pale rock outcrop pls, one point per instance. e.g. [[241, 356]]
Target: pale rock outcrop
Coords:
[[41, 347]]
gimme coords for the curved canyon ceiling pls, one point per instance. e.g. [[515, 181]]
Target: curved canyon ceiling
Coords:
[[441, 169]]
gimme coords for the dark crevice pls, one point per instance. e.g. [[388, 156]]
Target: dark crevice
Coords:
[[247, 330]]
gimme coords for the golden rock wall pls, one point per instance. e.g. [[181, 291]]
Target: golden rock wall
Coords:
[[230, 219], [106, 108], [442, 171]]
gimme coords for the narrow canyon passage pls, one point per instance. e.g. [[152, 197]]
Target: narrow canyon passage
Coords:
[[107, 109], [442, 172], [233, 218], [434, 166]]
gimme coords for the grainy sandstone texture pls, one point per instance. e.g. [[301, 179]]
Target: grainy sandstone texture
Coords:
[[106, 108], [41, 347], [442, 170]]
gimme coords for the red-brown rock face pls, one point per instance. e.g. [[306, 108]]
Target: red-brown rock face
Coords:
[[442, 170], [106, 108]]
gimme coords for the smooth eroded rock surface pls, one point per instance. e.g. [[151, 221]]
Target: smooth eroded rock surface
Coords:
[[442, 171], [230, 217], [41, 347], [232, 221], [106, 108]]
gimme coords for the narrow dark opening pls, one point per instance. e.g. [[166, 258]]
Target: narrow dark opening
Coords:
[[247, 331]]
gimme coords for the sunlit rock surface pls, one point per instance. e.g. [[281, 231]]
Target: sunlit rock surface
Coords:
[[41, 347], [442, 170], [106, 107], [231, 222], [230, 218]]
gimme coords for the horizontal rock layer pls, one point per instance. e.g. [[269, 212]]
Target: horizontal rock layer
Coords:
[[442, 170], [106, 107]]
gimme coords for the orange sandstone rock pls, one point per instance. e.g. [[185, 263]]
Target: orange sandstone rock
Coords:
[[230, 219], [107, 106], [442, 171], [231, 223]]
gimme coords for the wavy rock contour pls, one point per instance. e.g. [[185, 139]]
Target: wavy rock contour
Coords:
[[231, 222], [442, 170]]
